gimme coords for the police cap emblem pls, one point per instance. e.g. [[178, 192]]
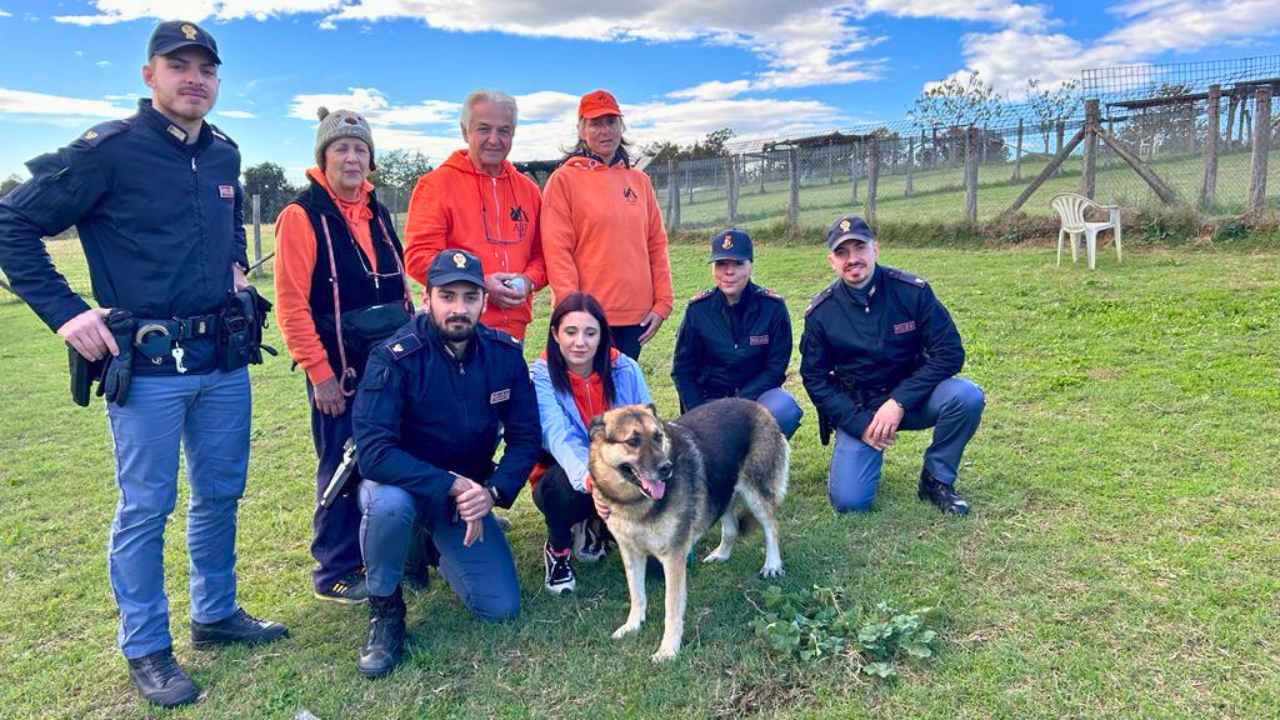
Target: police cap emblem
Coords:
[[91, 135], [728, 241], [460, 260], [190, 32], [844, 226]]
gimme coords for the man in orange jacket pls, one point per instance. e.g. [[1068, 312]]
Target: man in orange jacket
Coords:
[[478, 202]]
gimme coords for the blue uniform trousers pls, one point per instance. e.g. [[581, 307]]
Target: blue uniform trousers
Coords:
[[335, 540], [483, 575], [953, 410], [208, 417], [783, 408]]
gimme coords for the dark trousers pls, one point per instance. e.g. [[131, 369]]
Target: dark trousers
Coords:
[[335, 541], [627, 339], [562, 506]]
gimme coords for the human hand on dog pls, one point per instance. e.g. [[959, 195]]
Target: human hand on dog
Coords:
[[602, 509], [883, 429]]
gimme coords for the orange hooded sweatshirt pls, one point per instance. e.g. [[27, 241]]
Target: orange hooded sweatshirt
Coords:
[[495, 218], [602, 234], [294, 263]]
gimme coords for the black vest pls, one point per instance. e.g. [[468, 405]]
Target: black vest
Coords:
[[357, 289]]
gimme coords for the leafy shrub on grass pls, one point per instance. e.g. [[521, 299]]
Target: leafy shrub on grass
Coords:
[[810, 625]]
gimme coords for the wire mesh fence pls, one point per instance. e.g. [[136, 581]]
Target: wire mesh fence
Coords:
[[1205, 131]]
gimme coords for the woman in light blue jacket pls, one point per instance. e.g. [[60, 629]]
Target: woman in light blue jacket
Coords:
[[578, 377]]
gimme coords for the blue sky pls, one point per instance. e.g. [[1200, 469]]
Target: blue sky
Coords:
[[681, 68]]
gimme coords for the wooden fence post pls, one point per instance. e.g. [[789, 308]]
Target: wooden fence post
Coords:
[[1062, 131], [1017, 158], [873, 178], [1261, 146], [971, 158], [911, 163], [764, 165], [854, 175], [831, 164], [1208, 188], [257, 233], [673, 195], [688, 179], [1092, 124], [731, 186], [793, 205], [1231, 118]]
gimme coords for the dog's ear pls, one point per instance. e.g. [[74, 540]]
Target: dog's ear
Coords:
[[597, 427], [653, 409]]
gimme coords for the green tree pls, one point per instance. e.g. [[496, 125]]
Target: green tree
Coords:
[[267, 180], [399, 170], [8, 184]]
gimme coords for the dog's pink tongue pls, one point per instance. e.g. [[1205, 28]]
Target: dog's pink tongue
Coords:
[[655, 488]]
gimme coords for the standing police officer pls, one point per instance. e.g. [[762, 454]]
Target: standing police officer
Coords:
[[156, 199], [879, 354], [735, 340], [427, 418]]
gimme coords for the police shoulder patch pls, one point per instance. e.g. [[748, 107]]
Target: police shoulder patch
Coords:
[[702, 295], [906, 277], [819, 298], [222, 136], [401, 346], [96, 135]]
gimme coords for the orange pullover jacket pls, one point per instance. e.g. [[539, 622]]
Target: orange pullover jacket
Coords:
[[494, 218], [602, 234]]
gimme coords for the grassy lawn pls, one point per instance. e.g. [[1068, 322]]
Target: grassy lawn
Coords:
[[938, 195], [1121, 560]]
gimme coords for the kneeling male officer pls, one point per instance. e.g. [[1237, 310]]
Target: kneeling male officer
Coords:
[[427, 418], [157, 201], [879, 354]]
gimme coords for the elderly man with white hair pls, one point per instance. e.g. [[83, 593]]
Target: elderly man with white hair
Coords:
[[478, 202]]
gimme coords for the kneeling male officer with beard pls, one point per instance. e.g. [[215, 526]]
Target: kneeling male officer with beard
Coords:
[[427, 420]]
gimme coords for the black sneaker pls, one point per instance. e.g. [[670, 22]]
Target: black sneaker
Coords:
[[594, 541], [560, 577], [349, 590], [161, 681], [943, 496], [384, 648], [241, 627]]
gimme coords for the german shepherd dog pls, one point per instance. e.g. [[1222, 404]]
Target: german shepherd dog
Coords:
[[666, 483]]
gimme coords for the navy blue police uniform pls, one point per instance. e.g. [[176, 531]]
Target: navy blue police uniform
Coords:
[[423, 416], [890, 340], [739, 350], [160, 219]]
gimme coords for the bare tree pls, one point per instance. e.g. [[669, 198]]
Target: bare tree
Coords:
[[1052, 105]]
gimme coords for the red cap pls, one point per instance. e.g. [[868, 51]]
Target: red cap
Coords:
[[597, 103]]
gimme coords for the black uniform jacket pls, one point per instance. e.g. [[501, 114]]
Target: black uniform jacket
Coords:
[[853, 357]]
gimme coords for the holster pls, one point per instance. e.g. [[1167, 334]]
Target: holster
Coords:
[[240, 327], [113, 374], [83, 374]]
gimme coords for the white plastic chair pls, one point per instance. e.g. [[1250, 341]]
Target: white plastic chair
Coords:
[[1070, 208]]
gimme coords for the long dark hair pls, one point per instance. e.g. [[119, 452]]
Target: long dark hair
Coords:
[[559, 371]]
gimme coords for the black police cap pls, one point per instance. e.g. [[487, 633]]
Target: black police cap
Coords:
[[174, 35], [849, 227], [732, 244], [455, 266]]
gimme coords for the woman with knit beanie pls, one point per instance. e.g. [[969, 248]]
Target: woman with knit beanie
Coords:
[[340, 287]]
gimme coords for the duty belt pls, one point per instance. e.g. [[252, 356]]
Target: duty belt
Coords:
[[159, 338]]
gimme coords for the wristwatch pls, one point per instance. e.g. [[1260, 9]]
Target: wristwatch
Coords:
[[493, 491]]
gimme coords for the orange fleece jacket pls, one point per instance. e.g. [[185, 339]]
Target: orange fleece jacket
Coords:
[[450, 208], [602, 234], [294, 263]]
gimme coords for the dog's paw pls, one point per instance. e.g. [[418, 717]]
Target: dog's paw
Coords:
[[663, 655], [772, 571], [625, 630], [717, 555]]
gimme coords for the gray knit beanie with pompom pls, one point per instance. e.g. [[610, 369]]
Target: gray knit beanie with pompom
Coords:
[[341, 124]]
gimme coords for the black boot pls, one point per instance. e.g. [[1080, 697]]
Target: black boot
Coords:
[[941, 495], [384, 649], [161, 680], [241, 627]]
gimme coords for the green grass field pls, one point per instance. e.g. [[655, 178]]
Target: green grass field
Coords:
[[1121, 560], [939, 194]]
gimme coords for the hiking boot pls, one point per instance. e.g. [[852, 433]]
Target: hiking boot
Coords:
[[384, 649], [348, 590], [942, 495], [161, 681], [594, 541], [560, 577], [241, 628]]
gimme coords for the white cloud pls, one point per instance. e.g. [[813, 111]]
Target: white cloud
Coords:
[[117, 11], [79, 53], [23, 103], [4, 13], [713, 90], [376, 108], [103, 63], [1006, 58], [237, 114]]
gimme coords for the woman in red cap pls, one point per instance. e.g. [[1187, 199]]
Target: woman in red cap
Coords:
[[602, 230]]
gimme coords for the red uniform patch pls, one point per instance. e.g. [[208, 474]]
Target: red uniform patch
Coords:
[[226, 192]]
